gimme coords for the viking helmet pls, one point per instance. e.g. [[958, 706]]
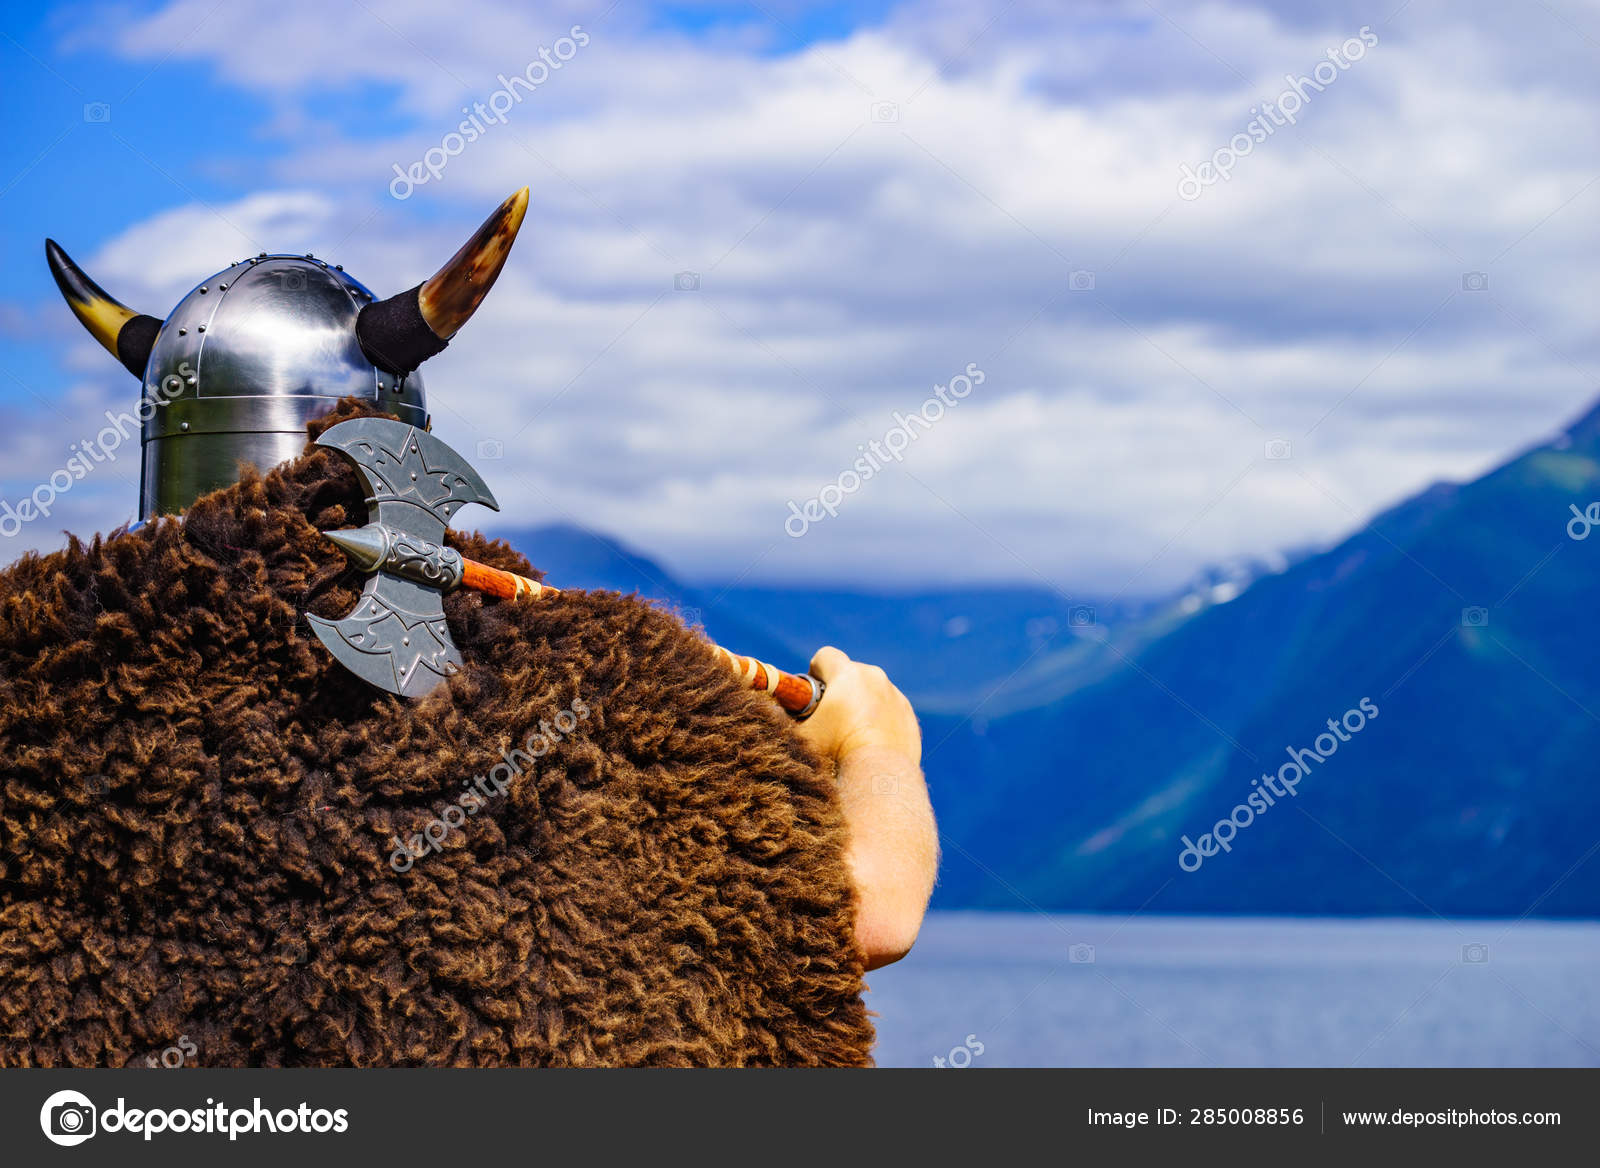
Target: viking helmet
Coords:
[[246, 359]]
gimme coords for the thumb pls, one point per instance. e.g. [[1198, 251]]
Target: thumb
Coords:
[[828, 662]]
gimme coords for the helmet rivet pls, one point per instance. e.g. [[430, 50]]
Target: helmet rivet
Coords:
[[204, 289], [405, 640], [222, 287], [183, 332], [413, 476], [183, 425], [190, 381], [338, 267], [199, 328]]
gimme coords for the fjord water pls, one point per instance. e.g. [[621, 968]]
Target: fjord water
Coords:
[[1016, 989]]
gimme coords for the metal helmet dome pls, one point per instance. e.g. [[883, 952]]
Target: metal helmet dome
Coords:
[[253, 353]]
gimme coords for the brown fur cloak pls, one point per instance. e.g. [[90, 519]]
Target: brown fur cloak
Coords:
[[199, 807]]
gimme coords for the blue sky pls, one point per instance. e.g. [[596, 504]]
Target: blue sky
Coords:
[[874, 197]]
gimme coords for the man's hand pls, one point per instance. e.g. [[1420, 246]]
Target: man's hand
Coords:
[[869, 728], [861, 708]]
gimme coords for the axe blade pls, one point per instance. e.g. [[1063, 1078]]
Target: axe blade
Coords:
[[415, 482], [396, 638]]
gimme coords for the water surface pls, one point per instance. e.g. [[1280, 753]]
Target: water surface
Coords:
[[1196, 991]]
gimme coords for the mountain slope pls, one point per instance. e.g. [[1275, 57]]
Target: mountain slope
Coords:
[[948, 648], [1465, 615], [1068, 759], [574, 557]]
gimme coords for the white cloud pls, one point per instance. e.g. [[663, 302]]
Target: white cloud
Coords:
[[848, 264]]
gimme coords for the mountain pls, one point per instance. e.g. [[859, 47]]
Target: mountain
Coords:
[[947, 648], [1464, 616], [1073, 742], [575, 557]]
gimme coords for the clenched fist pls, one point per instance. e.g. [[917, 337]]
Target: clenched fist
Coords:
[[862, 708]]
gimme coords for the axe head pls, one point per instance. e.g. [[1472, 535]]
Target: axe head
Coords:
[[397, 638]]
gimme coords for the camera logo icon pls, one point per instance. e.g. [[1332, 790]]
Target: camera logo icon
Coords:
[[491, 448], [885, 784], [686, 282], [1081, 954], [1278, 449], [67, 1118], [1476, 617], [97, 112], [1474, 281], [1081, 281], [884, 112], [293, 952], [290, 279], [1080, 616], [1475, 955]]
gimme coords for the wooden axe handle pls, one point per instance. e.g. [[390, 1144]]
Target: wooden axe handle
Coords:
[[796, 693], [506, 585]]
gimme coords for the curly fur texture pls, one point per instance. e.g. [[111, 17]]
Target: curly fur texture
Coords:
[[199, 806]]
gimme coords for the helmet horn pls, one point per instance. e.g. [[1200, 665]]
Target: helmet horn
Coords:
[[127, 335], [402, 332]]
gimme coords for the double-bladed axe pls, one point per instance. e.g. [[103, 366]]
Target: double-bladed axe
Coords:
[[397, 638]]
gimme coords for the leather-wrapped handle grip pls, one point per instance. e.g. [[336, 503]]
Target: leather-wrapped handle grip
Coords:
[[798, 693]]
